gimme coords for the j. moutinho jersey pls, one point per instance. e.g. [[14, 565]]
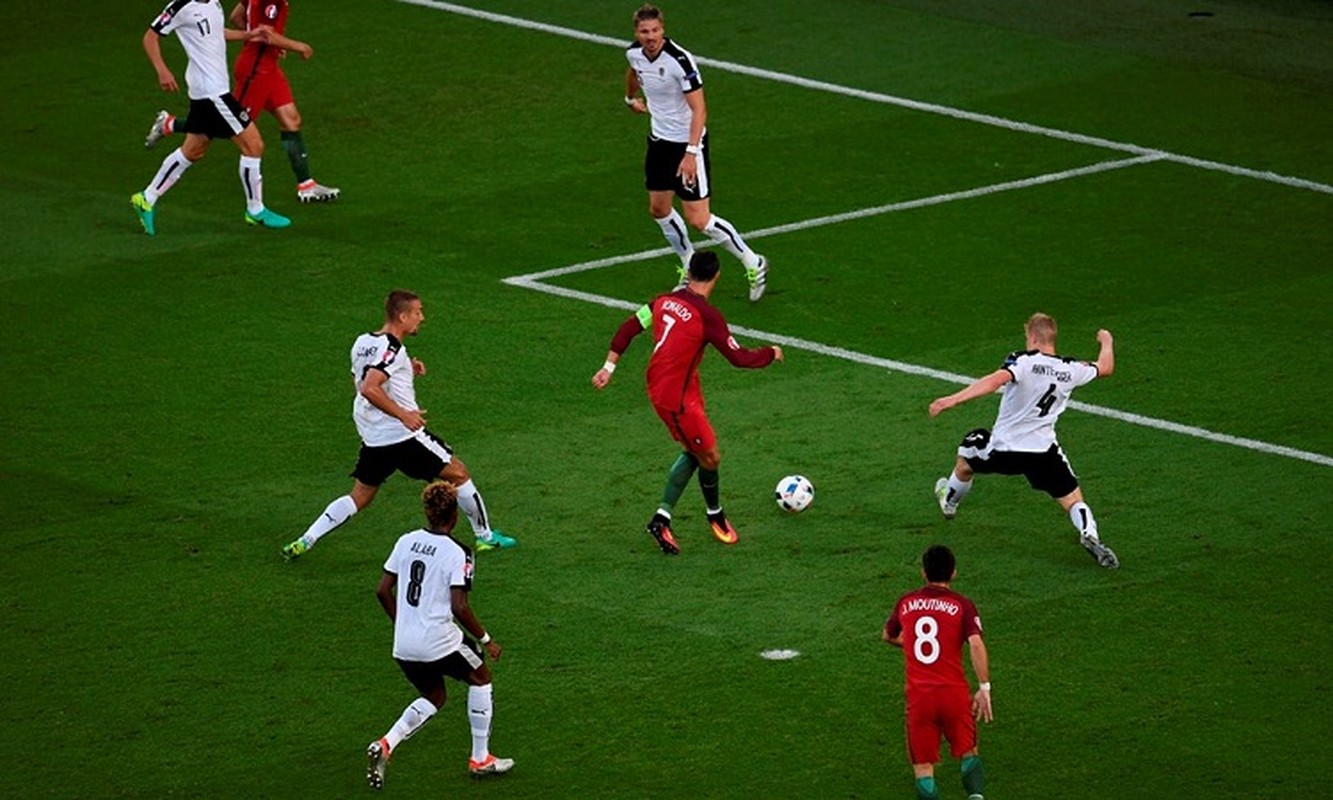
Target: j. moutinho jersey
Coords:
[[199, 25], [383, 352], [1035, 398], [665, 81], [428, 566]]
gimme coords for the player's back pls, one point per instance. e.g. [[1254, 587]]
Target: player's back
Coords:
[[1032, 402], [935, 623], [428, 566], [680, 335]]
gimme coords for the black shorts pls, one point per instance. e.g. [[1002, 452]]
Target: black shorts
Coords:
[[427, 676], [1047, 472], [423, 457], [221, 117], [663, 159]]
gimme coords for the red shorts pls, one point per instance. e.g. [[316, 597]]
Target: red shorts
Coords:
[[262, 91], [931, 713], [689, 425]]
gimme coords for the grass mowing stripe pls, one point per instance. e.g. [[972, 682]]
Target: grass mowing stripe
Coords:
[[888, 99]]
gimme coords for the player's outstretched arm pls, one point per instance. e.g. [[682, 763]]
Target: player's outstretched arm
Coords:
[[603, 376], [1106, 358], [979, 388], [635, 324]]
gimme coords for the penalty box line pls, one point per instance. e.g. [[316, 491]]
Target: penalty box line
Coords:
[[535, 282]]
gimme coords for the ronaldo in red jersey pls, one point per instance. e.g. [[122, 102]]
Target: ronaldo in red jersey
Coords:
[[684, 323], [931, 625]]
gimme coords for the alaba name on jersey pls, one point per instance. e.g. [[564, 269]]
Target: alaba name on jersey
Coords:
[[1035, 398], [935, 623], [665, 81], [383, 352], [428, 566], [199, 25]]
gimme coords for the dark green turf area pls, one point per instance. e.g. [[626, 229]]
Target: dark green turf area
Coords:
[[178, 407]]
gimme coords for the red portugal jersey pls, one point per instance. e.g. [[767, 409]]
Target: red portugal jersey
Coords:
[[683, 324], [935, 623], [257, 56]]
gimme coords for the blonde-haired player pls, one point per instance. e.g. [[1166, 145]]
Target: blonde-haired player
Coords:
[[1037, 384]]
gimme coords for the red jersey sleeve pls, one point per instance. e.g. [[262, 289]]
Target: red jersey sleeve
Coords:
[[893, 626], [971, 620], [719, 335], [637, 323]]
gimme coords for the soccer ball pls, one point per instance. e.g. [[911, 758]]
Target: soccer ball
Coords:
[[794, 493]]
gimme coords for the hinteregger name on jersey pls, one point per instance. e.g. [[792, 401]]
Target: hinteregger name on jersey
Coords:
[[934, 604], [1058, 375]]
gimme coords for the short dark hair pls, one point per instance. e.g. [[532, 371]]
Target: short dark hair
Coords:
[[440, 502], [938, 563], [647, 11], [704, 265], [398, 301]]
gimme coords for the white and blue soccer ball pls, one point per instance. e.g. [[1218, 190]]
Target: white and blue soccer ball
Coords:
[[794, 493]]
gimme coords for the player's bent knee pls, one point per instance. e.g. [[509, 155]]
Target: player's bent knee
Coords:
[[455, 472]]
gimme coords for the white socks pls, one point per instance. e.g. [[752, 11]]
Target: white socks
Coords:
[[417, 713], [1081, 516], [338, 512], [173, 166], [479, 715], [253, 181], [469, 499], [725, 234], [677, 235], [420, 710], [956, 490]]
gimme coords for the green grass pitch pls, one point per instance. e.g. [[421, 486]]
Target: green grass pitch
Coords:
[[178, 407]]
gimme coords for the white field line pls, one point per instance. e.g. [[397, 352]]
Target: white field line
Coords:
[[816, 222], [1144, 155], [792, 342], [888, 99], [534, 280]]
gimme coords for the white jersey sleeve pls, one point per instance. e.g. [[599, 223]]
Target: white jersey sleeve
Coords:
[[428, 566], [385, 353], [1035, 398]]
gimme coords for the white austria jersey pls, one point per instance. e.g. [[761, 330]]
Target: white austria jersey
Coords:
[[1035, 398], [665, 81], [428, 566], [383, 352], [199, 24]]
